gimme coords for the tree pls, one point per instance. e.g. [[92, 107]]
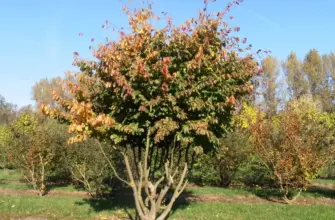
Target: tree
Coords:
[[176, 86], [296, 78], [270, 74], [42, 91], [328, 96], [35, 148], [7, 111], [312, 66], [294, 145], [6, 137]]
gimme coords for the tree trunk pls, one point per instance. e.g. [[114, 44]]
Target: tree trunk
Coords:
[[151, 207]]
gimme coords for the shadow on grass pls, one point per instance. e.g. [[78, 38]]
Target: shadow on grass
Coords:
[[270, 194], [274, 195], [123, 200], [320, 191]]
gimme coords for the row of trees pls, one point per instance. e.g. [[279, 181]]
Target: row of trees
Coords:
[[313, 76]]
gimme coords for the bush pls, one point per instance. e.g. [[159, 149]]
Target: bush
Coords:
[[221, 167], [35, 148], [294, 145], [88, 166]]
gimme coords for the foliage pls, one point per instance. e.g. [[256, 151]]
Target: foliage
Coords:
[[253, 173], [247, 116], [88, 166], [221, 168], [35, 148], [296, 79], [269, 76], [178, 83], [294, 145], [7, 111], [182, 81], [6, 137], [316, 76]]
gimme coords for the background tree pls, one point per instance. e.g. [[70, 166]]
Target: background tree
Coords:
[[42, 91], [296, 78], [328, 95], [7, 111], [269, 76], [317, 79]]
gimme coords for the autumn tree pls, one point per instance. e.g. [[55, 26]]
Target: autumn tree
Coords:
[[294, 145], [34, 148], [296, 78], [169, 88], [269, 76]]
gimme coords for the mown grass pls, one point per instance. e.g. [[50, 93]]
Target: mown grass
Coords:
[[325, 182], [10, 175], [314, 192], [78, 208], [253, 211], [72, 207], [14, 179], [53, 207]]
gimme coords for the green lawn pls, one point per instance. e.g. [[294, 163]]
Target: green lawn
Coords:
[[79, 208], [315, 192], [10, 175], [325, 181], [253, 211], [72, 207]]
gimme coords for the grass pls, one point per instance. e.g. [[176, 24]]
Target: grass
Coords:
[[216, 191], [72, 207], [253, 211], [13, 179], [324, 181], [10, 175], [15, 186], [52, 207], [79, 208], [314, 192]]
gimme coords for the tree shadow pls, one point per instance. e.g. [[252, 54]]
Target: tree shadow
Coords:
[[122, 199], [322, 191], [54, 186], [113, 202], [270, 194], [274, 195]]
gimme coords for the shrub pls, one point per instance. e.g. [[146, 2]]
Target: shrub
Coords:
[[221, 167], [294, 145], [88, 166], [35, 148]]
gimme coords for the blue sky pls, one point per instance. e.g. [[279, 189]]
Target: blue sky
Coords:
[[38, 37]]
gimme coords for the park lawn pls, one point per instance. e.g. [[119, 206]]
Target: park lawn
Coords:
[[253, 211], [67, 207], [10, 175], [330, 182], [314, 192]]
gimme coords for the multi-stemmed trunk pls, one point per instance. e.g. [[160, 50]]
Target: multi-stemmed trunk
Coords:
[[150, 196]]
